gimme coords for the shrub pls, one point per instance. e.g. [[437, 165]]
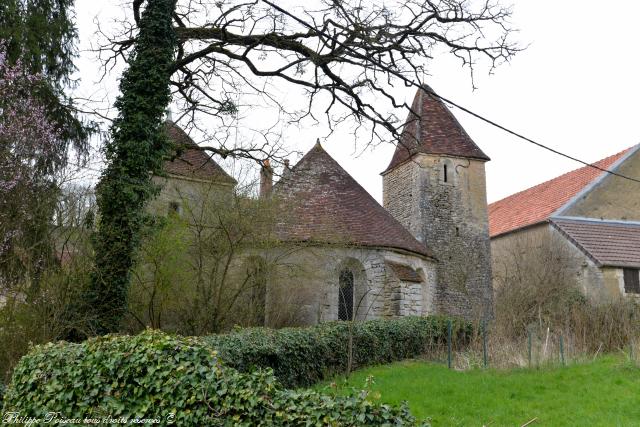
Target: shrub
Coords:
[[303, 356], [178, 380]]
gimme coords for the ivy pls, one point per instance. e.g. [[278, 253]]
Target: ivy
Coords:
[[172, 380], [134, 153]]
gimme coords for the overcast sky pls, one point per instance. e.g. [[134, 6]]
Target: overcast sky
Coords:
[[575, 88]]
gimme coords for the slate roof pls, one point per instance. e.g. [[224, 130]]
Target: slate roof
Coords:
[[608, 243], [537, 204], [432, 129], [191, 161], [324, 204]]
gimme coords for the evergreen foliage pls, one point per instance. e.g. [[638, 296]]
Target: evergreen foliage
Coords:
[[42, 36], [174, 380], [37, 48], [304, 356], [136, 150]]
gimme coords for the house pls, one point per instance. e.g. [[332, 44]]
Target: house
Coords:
[[425, 250], [591, 214], [189, 177]]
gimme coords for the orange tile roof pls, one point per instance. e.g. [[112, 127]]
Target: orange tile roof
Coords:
[[538, 203]]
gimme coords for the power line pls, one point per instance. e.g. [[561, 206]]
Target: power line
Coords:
[[430, 91], [516, 134]]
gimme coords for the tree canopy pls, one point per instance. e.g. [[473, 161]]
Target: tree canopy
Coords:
[[346, 57]]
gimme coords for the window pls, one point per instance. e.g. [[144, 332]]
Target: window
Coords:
[[447, 169], [345, 295], [631, 280], [174, 208]]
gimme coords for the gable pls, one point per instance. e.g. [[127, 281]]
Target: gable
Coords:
[[539, 203], [191, 162], [612, 197]]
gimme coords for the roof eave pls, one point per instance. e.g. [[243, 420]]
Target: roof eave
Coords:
[[312, 242], [457, 156], [525, 227]]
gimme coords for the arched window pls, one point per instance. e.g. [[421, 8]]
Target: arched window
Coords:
[[345, 295]]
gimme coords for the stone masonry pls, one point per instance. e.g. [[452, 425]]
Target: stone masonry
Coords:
[[436, 187]]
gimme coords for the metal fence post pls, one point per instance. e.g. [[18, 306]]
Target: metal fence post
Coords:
[[449, 343], [562, 349], [529, 341]]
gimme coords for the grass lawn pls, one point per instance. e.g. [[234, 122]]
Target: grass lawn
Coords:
[[601, 393]]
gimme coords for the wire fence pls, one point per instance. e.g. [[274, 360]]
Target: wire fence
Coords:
[[536, 347]]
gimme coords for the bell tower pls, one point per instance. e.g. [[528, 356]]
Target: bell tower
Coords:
[[435, 186]]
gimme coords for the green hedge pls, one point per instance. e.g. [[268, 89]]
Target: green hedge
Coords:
[[171, 379], [304, 356]]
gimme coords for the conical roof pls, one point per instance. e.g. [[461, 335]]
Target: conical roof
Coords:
[[192, 162], [432, 129], [324, 204]]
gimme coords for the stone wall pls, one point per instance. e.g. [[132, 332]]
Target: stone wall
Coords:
[[375, 290], [193, 194], [450, 216], [612, 197], [596, 283]]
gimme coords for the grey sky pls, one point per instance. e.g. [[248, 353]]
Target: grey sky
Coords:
[[575, 88]]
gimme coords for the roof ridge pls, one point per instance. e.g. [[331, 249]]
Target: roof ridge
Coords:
[[603, 160], [620, 222], [332, 203], [549, 198]]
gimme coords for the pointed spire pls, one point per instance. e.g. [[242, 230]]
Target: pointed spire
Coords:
[[431, 128]]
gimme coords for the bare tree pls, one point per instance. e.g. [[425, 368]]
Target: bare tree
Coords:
[[210, 56], [213, 263], [344, 57], [536, 282]]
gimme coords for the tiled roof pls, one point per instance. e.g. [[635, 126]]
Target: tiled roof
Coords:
[[324, 204], [608, 243], [191, 161], [433, 129], [538, 203], [404, 272]]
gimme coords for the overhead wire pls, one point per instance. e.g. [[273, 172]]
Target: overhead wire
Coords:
[[518, 135]]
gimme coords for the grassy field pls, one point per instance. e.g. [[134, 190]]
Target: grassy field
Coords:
[[601, 393]]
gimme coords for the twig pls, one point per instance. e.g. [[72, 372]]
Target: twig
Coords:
[[596, 355], [533, 420]]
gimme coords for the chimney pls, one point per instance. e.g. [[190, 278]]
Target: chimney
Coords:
[[266, 179]]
